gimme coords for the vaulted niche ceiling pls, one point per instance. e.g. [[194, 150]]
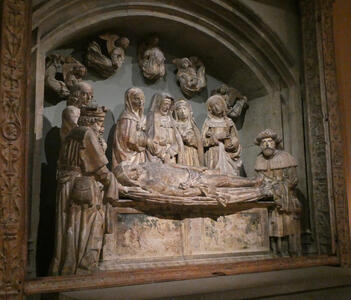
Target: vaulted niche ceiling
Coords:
[[233, 42]]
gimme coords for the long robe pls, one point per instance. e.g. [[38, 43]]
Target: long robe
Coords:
[[166, 142], [281, 171], [129, 131], [80, 214], [218, 155], [192, 154]]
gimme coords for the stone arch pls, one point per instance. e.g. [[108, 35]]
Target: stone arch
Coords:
[[252, 58]]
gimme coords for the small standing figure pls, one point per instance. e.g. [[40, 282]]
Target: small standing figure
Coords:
[[130, 138], [278, 168], [85, 186], [193, 154], [165, 142], [236, 103], [191, 75], [220, 139], [151, 59], [81, 95], [106, 54]]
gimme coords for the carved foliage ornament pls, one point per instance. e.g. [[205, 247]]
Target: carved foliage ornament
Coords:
[[15, 24]]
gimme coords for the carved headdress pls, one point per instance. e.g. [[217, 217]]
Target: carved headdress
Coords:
[[154, 118], [129, 112], [211, 121], [268, 133], [193, 125], [280, 159], [89, 115]]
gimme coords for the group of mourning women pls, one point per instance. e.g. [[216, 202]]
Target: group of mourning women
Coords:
[[169, 134]]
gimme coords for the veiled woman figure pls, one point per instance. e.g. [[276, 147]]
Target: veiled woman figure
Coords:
[[220, 138], [130, 138], [193, 154], [165, 142]]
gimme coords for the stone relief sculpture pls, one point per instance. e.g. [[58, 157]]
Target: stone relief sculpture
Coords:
[[236, 103], [85, 186], [190, 75], [193, 154], [151, 59], [106, 54], [220, 138], [165, 141], [185, 185], [81, 95], [278, 168], [62, 73], [130, 137]]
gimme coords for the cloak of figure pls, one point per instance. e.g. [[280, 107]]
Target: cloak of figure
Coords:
[[236, 103], [82, 95], [278, 168], [220, 138], [106, 54], [85, 186], [191, 75], [165, 142], [193, 154], [130, 138], [151, 59]]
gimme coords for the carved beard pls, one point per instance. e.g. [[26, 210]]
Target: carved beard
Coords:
[[268, 152]]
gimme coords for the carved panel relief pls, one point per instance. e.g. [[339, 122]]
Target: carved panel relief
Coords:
[[13, 66]]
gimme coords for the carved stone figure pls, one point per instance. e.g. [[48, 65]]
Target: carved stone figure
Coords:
[[185, 185], [151, 59], [193, 154], [130, 138], [220, 138], [62, 73], [278, 168], [191, 75], [73, 73], [165, 142], [81, 95], [236, 103], [106, 54], [85, 186]]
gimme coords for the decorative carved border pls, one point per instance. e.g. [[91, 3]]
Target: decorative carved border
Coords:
[[316, 129], [322, 107], [323, 131], [336, 143], [14, 58]]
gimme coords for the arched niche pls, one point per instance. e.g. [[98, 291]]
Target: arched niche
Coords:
[[237, 47]]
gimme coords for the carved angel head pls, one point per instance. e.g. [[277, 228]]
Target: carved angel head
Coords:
[[190, 75], [151, 60]]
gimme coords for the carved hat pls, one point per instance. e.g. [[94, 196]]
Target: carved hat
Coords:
[[267, 133], [90, 114]]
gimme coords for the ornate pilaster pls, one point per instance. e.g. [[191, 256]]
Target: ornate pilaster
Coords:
[[316, 129], [336, 143], [14, 54], [324, 145]]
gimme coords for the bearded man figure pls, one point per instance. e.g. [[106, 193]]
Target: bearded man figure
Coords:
[[278, 167]]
